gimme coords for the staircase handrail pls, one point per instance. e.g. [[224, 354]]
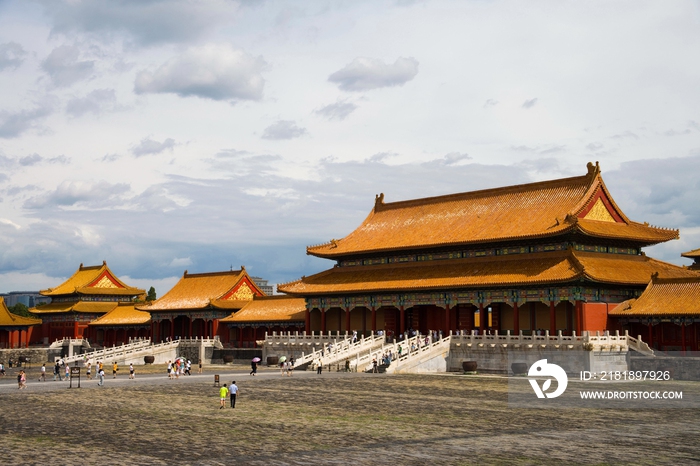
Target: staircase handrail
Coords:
[[109, 352], [344, 349]]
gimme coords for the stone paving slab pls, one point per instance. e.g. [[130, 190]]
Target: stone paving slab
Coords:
[[334, 418]]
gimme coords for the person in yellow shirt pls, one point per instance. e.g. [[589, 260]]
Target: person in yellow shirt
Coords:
[[115, 368], [223, 393]]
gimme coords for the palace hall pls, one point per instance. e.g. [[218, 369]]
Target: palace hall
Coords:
[[548, 256], [90, 293], [666, 315], [196, 304], [264, 314], [15, 331]]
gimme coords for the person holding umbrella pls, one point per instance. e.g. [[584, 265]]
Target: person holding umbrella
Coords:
[[254, 366]]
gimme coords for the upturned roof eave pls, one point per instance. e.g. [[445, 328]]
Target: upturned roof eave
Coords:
[[564, 230], [571, 279]]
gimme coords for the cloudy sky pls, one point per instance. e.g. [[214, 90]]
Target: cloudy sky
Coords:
[[164, 135]]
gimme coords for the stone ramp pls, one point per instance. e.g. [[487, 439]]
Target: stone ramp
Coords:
[[427, 358]]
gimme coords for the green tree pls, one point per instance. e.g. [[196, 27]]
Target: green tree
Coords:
[[151, 296], [20, 309]]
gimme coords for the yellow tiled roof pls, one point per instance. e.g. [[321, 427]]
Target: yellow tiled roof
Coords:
[[124, 314], [198, 291], [93, 280], [499, 271], [8, 319], [99, 307], [527, 211], [52, 308], [626, 270], [664, 297], [270, 309], [694, 254], [229, 304]]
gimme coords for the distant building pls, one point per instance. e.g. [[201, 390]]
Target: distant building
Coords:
[[264, 287], [28, 298]]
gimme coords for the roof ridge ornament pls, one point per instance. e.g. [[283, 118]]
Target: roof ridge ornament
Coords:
[[593, 170], [378, 199]]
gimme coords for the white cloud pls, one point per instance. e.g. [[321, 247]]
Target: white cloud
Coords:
[[144, 22], [337, 111], [363, 74], [79, 193], [148, 146], [95, 102], [529, 103], [12, 55], [180, 262], [217, 72], [13, 124], [283, 129], [65, 68], [456, 158]]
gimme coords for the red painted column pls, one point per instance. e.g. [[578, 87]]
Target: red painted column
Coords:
[[552, 319], [651, 336], [483, 319], [307, 321], [516, 318], [347, 319], [447, 319], [323, 321], [216, 327], [75, 329], [374, 319], [683, 338], [581, 317], [402, 320], [189, 335], [172, 329]]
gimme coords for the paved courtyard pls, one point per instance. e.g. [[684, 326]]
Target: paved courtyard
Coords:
[[356, 419]]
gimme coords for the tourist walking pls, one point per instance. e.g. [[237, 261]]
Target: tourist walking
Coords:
[[200, 367], [101, 375], [319, 366], [42, 377], [67, 367], [223, 393], [253, 368], [374, 365], [131, 370], [2, 370], [115, 368], [57, 372], [233, 391], [89, 371], [22, 380]]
